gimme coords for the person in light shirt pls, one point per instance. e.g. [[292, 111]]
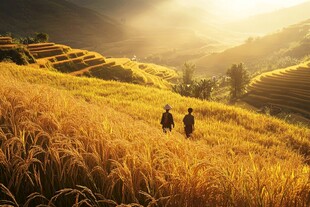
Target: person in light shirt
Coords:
[[167, 119]]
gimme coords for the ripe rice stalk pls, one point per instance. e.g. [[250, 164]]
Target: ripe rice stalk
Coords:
[[37, 196], [8, 193], [214, 168]]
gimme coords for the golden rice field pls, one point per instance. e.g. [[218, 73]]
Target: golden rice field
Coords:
[[85, 63], [74, 141], [288, 89]]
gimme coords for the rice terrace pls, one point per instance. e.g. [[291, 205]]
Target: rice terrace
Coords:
[[81, 102]]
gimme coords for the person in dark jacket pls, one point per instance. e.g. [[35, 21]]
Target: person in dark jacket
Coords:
[[189, 122], [167, 119]]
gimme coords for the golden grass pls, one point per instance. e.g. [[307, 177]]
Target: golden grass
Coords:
[[66, 140], [80, 62]]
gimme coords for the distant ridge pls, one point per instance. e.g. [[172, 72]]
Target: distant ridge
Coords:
[[290, 44], [269, 22], [63, 21]]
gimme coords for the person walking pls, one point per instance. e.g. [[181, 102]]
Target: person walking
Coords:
[[189, 122], [167, 119]]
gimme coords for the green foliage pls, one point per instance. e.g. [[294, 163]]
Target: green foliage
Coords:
[[188, 72], [182, 89], [239, 78], [201, 89], [38, 37], [41, 37], [20, 56]]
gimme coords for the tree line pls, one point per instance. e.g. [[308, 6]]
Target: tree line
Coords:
[[237, 78]]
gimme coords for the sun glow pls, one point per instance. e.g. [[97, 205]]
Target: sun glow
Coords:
[[237, 9]]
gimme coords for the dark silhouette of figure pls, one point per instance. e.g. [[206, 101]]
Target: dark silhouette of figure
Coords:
[[167, 119], [189, 121]]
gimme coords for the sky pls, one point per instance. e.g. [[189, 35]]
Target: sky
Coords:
[[238, 9]]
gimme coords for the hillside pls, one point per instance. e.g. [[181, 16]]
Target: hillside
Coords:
[[272, 51], [172, 32], [272, 21], [286, 89], [163, 31], [67, 140], [121, 9], [65, 22], [87, 63]]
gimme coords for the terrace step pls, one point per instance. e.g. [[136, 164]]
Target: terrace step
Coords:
[[47, 53], [8, 46], [94, 67], [6, 40], [95, 61], [279, 82], [38, 45], [261, 101]]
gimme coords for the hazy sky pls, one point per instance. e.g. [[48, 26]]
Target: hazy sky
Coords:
[[243, 8]]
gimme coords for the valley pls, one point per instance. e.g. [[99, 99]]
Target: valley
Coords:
[[83, 85]]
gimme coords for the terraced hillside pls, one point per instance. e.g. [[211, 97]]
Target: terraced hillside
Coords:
[[74, 141], [85, 63], [286, 89], [9, 51], [6, 43]]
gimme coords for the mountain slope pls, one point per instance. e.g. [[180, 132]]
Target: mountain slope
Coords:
[[269, 22], [71, 140], [261, 53], [287, 89], [63, 21], [165, 31], [86, 63]]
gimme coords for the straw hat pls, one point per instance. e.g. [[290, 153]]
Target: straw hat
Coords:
[[167, 107]]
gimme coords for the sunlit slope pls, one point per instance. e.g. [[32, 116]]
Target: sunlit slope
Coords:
[[63, 21], [72, 139], [288, 89], [280, 48], [86, 63], [269, 22]]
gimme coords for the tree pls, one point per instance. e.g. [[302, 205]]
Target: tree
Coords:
[[239, 78], [203, 89], [188, 73], [183, 89], [41, 37]]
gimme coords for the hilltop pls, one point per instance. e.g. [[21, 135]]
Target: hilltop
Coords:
[[65, 22], [70, 140], [276, 50]]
